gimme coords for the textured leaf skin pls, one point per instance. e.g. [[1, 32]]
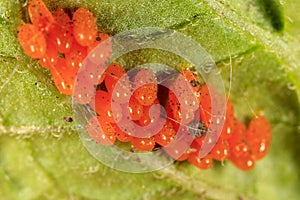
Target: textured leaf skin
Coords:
[[41, 156]]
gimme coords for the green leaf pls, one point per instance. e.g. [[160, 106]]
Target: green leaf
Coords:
[[292, 18], [41, 156]]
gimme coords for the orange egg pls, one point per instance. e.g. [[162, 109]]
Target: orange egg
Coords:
[[63, 77], [98, 40], [121, 135], [135, 109], [145, 87], [143, 144], [220, 151], [32, 40], [165, 135], [193, 157], [100, 131], [61, 33], [76, 56], [113, 73], [84, 89], [241, 157], [202, 163], [49, 60], [117, 83], [258, 137], [85, 28], [39, 15]]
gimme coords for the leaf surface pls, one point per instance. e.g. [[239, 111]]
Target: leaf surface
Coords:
[[41, 156]]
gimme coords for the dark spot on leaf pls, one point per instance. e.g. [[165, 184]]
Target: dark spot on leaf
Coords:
[[196, 16], [68, 119]]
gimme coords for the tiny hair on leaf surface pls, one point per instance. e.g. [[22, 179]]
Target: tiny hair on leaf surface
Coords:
[[36, 141]]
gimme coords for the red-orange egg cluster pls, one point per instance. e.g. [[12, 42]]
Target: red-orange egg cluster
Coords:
[[59, 42], [112, 123], [241, 145]]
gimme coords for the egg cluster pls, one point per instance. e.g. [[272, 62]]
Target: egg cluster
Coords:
[[59, 42], [187, 112], [139, 109]]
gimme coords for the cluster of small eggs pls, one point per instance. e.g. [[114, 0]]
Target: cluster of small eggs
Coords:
[[128, 107], [59, 42], [241, 145]]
